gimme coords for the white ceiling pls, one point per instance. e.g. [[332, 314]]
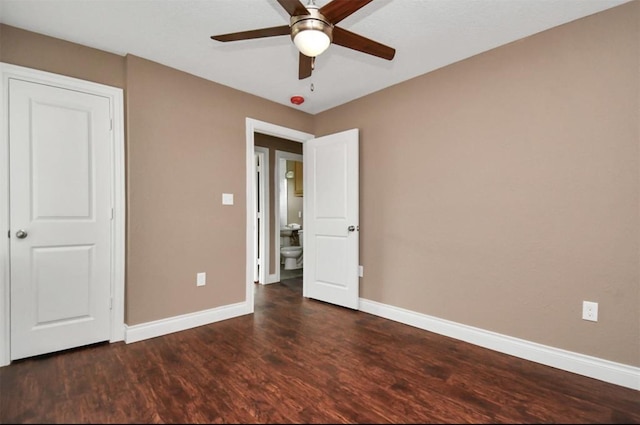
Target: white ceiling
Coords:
[[427, 35]]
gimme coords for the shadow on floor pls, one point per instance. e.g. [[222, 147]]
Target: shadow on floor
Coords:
[[288, 274]]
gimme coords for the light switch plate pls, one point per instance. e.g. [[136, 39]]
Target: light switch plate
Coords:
[[201, 279], [227, 199]]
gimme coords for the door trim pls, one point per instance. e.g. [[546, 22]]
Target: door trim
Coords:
[[256, 126], [115, 96], [263, 191]]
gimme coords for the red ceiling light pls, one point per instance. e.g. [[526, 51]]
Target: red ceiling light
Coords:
[[297, 100]]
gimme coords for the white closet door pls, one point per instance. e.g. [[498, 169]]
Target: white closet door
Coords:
[[60, 217]]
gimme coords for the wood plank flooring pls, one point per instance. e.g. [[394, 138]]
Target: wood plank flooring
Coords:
[[298, 360]]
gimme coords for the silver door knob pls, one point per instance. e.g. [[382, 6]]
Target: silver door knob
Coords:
[[351, 228], [21, 234]]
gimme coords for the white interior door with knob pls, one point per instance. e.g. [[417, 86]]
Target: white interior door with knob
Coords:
[[331, 222], [60, 162]]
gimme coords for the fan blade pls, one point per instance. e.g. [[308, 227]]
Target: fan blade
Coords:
[[246, 35], [337, 10], [305, 67], [354, 41], [293, 7]]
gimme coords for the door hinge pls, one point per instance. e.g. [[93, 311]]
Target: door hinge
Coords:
[[111, 124], [111, 303], [111, 214], [9, 233], [259, 215]]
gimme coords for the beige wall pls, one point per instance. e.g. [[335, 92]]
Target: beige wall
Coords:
[[25, 48], [499, 192], [187, 146], [274, 144], [502, 191]]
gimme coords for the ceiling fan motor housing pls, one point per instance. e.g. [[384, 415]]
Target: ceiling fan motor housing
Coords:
[[313, 21]]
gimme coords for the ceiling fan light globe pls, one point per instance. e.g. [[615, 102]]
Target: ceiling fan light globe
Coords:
[[311, 42]]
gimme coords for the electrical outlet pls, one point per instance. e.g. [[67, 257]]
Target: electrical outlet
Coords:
[[360, 271], [201, 279], [590, 311]]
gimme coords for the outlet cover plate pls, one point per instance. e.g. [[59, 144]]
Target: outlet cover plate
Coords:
[[590, 311]]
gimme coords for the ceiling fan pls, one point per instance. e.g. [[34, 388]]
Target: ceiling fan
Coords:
[[313, 29]]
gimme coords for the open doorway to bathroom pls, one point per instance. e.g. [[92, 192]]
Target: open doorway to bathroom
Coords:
[[290, 217], [282, 231]]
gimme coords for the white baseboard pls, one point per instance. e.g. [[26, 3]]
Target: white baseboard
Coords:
[[186, 321], [593, 367], [272, 278]]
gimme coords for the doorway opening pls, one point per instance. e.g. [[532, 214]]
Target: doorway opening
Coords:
[[289, 220], [253, 128]]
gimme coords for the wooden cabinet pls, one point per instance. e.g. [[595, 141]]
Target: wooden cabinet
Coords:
[[297, 182]]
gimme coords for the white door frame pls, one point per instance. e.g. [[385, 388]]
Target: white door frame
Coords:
[[276, 196], [256, 126], [115, 96], [263, 231]]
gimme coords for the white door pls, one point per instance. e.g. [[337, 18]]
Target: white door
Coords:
[[60, 218], [331, 223]]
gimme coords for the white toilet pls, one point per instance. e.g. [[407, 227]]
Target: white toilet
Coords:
[[285, 236], [292, 255]]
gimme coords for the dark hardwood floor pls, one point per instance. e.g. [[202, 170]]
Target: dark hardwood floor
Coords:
[[298, 360]]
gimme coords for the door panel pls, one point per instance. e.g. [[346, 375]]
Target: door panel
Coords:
[[60, 195], [59, 138], [331, 207], [50, 281]]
